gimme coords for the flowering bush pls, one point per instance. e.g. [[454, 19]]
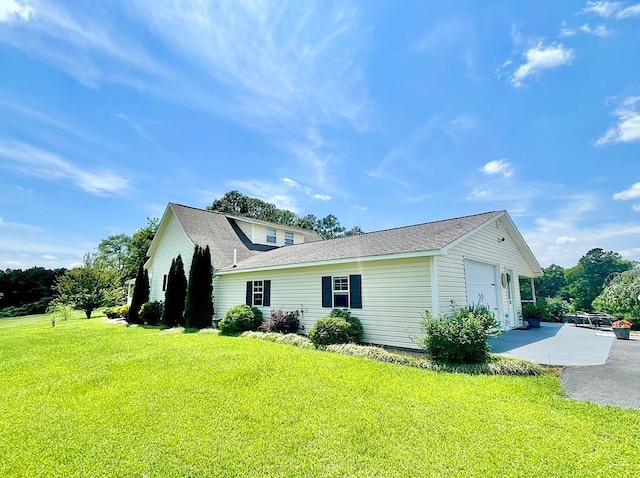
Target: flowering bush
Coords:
[[623, 324]]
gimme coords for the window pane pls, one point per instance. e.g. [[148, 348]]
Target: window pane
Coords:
[[257, 299], [271, 236], [340, 300], [288, 238], [341, 283]]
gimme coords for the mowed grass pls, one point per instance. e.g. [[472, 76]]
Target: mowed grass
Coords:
[[87, 399]]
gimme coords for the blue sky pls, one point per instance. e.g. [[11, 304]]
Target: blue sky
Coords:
[[383, 113]]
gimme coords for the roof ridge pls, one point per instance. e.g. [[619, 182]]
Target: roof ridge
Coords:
[[236, 216]]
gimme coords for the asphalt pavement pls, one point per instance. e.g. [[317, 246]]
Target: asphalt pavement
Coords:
[[617, 382]]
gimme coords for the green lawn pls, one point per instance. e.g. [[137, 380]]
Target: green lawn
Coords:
[[87, 399]]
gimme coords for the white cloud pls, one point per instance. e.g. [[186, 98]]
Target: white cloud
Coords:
[[461, 125], [627, 128], [360, 208], [11, 10], [612, 9], [48, 257], [43, 164], [603, 9], [598, 30], [540, 58], [291, 183], [632, 193], [565, 240], [498, 166], [134, 125], [322, 197], [268, 192], [632, 11]]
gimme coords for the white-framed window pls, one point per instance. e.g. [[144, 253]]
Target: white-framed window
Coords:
[[341, 291], [288, 238], [271, 236], [258, 292]]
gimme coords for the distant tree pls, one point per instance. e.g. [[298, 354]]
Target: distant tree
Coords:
[[238, 204], [32, 288], [114, 250], [586, 280], [140, 295], [329, 227], [138, 247], [175, 294], [552, 282], [622, 296], [198, 312], [354, 231], [89, 286]]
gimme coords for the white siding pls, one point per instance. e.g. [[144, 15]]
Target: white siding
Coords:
[[394, 294], [247, 228], [485, 246], [260, 236], [173, 242]]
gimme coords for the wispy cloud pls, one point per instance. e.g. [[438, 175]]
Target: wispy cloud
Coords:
[[461, 125], [598, 30], [322, 197], [612, 9], [37, 162], [498, 167], [627, 127], [541, 58], [14, 10], [134, 125], [633, 192]]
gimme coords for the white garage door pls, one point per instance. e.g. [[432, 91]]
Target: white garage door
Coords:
[[481, 284]]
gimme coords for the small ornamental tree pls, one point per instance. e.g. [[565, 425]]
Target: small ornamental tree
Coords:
[[198, 311], [140, 295], [175, 294]]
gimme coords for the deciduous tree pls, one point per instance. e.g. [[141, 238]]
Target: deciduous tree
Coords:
[[89, 286]]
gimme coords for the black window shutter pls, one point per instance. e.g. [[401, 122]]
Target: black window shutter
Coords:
[[266, 293], [326, 291], [249, 298], [355, 288]]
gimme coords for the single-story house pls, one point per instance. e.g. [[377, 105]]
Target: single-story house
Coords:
[[386, 278]]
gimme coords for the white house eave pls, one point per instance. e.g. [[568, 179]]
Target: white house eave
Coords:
[[161, 227], [348, 260], [515, 234]]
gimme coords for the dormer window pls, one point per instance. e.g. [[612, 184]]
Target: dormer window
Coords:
[[288, 238], [271, 236]]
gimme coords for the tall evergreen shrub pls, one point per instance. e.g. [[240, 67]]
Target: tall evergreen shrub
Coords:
[[198, 312], [175, 294], [140, 296]]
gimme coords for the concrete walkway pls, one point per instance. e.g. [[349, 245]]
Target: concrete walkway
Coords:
[[556, 344]]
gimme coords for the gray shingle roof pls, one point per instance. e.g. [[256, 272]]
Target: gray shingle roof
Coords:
[[222, 235], [429, 236]]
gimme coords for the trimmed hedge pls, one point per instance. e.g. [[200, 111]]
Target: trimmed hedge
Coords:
[[151, 312], [240, 318]]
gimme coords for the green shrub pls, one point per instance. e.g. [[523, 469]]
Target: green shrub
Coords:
[[151, 312], [282, 322], [461, 338], [330, 330], [356, 331], [557, 308], [123, 311], [240, 318], [539, 309], [38, 307], [257, 318], [112, 312]]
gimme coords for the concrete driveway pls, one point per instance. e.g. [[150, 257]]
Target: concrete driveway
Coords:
[[555, 344], [596, 367]]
